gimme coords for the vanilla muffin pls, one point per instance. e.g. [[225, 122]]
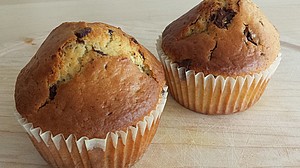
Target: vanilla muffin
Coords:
[[96, 85], [227, 42]]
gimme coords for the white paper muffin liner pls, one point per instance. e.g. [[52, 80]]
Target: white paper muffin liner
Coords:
[[214, 95], [118, 149]]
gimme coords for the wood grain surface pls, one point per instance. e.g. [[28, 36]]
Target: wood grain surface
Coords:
[[267, 135]]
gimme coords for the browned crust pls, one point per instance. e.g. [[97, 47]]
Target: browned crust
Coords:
[[109, 93], [245, 44]]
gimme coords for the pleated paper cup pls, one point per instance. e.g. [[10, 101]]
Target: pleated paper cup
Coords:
[[119, 149], [214, 94]]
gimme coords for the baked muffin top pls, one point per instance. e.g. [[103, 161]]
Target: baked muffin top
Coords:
[[222, 37], [88, 79]]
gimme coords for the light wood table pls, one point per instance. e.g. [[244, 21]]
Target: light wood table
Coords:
[[267, 135]]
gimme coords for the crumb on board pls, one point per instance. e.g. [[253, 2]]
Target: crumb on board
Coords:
[[29, 40]]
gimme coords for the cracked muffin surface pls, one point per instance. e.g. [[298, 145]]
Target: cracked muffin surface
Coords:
[[222, 37], [88, 79]]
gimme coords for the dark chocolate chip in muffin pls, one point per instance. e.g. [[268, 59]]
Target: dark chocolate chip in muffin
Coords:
[[141, 53], [83, 32], [134, 40], [110, 32], [52, 92], [249, 35], [223, 17]]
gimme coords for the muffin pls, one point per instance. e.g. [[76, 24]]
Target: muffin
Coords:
[[90, 97], [219, 56]]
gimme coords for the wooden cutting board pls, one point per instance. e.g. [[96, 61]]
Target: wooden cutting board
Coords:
[[267, 135]]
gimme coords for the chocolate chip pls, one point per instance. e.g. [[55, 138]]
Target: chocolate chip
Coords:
[[134, 40], [141, 54], [52, 91], [223, 17], [185, 63], [249, 36], [83, 32], [110, 32]]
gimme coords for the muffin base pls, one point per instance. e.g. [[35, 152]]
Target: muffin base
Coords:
[[211, 94], [118, 149]]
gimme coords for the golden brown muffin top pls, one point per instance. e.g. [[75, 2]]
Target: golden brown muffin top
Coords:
[[88, 79], [222, 37]]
